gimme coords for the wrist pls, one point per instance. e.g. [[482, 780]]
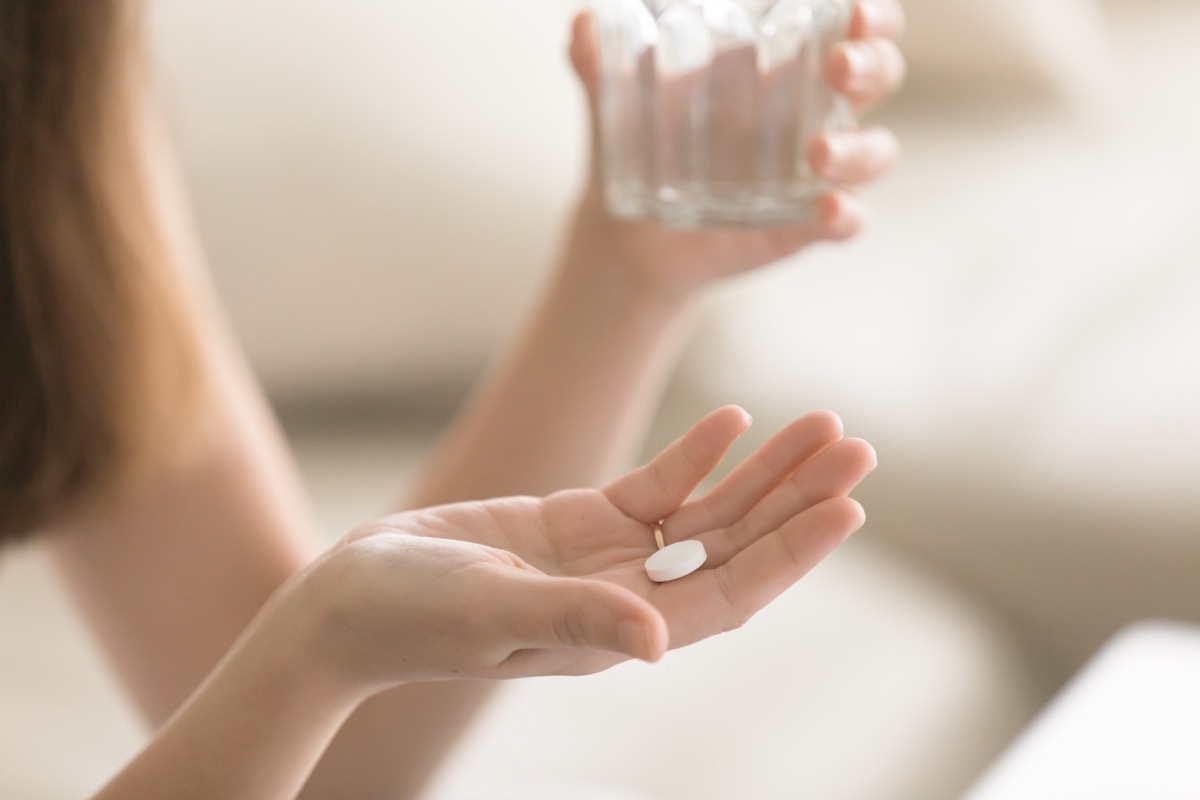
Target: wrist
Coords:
[[599, 260], [301, 641], [257, 725]]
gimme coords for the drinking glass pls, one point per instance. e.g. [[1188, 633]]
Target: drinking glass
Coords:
[[707, 107]]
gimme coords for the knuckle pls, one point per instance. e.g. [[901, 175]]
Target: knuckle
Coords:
[[658, 478], [570, 627], [735, 615], [737, 535]]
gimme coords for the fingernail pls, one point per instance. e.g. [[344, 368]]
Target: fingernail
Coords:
[[632, 638], [862, 518], [874, 456], [871, 14]]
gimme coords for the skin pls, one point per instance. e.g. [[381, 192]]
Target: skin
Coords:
[[282, 685], [504, 588], [672, 264]]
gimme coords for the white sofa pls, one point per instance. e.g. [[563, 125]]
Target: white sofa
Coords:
[[379, 186]]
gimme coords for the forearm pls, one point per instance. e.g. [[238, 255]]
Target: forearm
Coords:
[[252, 731], [392, 744], [570, 400]]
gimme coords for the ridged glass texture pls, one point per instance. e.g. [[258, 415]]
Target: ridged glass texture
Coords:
[[707, 107]]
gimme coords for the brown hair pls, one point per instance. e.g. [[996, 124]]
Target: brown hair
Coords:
[[91, 336]]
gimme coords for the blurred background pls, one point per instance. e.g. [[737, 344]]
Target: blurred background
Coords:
[[380, 186]]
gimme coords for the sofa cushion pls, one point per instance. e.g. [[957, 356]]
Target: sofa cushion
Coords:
[[379, 185], [1017, 48]]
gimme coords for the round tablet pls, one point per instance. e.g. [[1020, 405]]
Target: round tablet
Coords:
[[676, 560]]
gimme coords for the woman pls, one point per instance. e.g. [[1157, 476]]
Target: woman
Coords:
[[137, 448]]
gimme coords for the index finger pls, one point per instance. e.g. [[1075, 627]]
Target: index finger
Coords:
[[877, 18], [653, 491], [756, 476]]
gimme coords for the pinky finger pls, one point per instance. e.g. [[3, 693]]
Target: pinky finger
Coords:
[[877, 18], [653, 491], [840, 215]]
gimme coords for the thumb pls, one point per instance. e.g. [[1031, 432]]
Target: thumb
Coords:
[[585, 60], [549, 612]]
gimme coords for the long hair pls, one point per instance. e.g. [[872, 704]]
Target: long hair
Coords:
[[93, 338]]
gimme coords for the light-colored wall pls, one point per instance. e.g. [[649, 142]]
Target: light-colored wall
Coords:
[[380, 185]]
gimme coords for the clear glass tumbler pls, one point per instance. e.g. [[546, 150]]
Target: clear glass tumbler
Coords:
[[707, 107]]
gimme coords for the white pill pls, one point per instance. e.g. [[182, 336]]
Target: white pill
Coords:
[[676, 560]]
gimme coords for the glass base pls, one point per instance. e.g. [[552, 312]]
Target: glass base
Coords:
[[677, 210]]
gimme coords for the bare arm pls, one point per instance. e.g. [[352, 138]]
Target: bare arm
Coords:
[[505, 588], [170, 576]]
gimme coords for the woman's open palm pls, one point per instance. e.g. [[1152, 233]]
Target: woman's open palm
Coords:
[[557, 585]]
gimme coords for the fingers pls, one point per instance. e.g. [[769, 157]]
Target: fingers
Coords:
[[753, 479], [869, 66], [585, 60], [877, 18], [834, 472], [712, 601], [583, 53], [851, 157], [761, 572], [840, 215], [543, 612], [653, 491], [866, 70]]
